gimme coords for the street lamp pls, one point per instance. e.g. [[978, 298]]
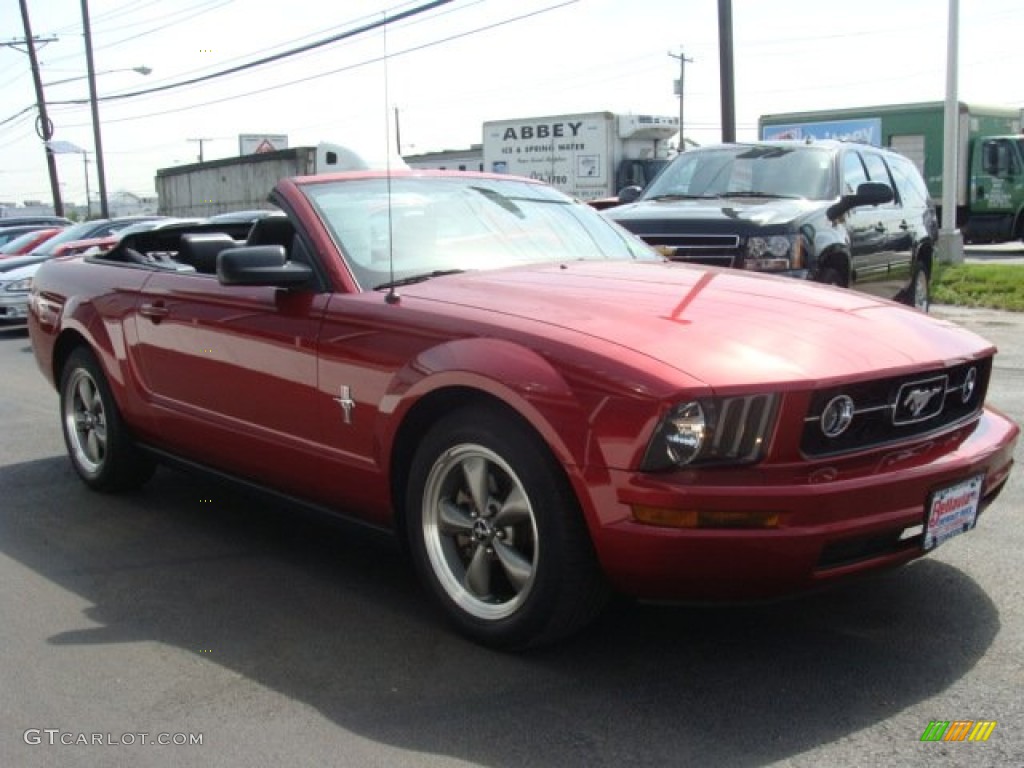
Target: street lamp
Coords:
[[60, 147], [142, 70]]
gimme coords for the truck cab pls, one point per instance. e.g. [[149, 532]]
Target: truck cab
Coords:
[[996, 191]]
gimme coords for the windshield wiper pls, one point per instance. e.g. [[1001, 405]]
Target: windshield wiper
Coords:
[[680, 196], [752, 193], [417, 278]]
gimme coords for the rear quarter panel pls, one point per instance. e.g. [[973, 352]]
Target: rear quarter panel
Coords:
[[74, 302]]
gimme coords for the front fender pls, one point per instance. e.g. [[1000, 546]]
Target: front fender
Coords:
[[518, 377]]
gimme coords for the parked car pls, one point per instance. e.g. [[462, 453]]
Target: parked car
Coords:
[[833, 212], [46, 221], [26, 241], [87, 237], [7, 234], [16, 275], [87, 230], [538, 404]]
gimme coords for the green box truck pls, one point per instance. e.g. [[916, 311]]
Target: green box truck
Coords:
[[990, 155]]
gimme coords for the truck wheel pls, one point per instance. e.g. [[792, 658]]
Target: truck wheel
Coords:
[[497, 535], [98, 444], [919, 290]]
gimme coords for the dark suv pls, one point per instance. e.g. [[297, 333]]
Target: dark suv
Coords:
[[834, 212]]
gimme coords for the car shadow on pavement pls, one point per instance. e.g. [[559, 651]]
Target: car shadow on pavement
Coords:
[[332, 618]]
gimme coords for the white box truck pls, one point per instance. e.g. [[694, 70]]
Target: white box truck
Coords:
[[589, 155]]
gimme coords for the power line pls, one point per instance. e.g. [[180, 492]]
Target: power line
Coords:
[[275, 57], [363, 63], [112, 12], [207, 8]]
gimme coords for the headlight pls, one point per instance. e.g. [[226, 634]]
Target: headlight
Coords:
[[731, 430], [774, 253], [19, 286]]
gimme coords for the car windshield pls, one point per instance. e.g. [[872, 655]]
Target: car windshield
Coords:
[[422, 227], [760, 170]]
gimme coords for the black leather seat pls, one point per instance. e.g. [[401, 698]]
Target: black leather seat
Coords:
[[200, 250]]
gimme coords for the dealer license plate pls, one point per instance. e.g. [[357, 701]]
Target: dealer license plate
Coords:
[[952, 511]]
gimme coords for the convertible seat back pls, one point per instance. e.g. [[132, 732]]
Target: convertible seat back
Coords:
[[200, 250], [273, 230]]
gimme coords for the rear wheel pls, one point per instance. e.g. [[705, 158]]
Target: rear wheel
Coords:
[[98, 444], [497, 534]]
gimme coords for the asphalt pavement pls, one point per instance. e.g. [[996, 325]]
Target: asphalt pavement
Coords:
[[189, 611]]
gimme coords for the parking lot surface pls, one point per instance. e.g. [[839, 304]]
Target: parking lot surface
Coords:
[[189, 609]]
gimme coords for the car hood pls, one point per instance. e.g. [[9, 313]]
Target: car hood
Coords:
[[16, 263], [26, 270], [725, 214], [721, 327]]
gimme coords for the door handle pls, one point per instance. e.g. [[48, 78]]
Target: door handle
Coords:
[[155, 311]]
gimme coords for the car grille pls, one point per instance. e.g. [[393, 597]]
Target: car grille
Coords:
[[713, 250], [896, 409]]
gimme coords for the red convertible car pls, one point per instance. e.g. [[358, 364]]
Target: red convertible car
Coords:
[[543, 408]]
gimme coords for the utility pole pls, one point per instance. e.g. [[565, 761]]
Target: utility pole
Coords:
[[94, 104], [728, 85], [43, 125], [681, 93], [951, 239], [398, 134], [88, 200], [201, 142]]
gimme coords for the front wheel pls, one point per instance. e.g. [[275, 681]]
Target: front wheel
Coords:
[[831, 276], [919, 290], [497, 534], [98, 443]]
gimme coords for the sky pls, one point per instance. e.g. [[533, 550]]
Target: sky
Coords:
[[440, 74]]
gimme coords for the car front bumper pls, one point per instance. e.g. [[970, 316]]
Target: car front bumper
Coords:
[[13, 306], [832, 521]]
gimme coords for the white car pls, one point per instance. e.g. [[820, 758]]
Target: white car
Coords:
[[15, 281]]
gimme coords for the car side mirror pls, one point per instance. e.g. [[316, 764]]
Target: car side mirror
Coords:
[[868, 193], [629, 194], [265, 265]]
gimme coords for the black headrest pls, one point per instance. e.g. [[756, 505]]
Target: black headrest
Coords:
[[271, 230], [200, 250]]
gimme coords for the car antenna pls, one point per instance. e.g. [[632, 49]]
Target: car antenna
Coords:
[[392, 296]]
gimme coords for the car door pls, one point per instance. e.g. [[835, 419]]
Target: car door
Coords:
[[231, 371], [866, 228], [899, 242]]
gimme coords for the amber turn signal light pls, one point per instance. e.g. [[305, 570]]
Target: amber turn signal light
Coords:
[[704, 518]]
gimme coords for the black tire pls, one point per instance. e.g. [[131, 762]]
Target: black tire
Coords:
[[831, 276], [99, 446], [497, 535], [919, 290]]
